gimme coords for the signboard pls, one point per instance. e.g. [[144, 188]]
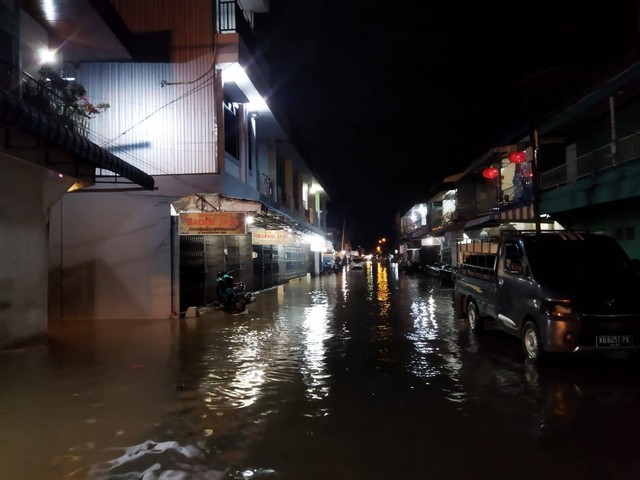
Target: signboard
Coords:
[[260, 236], [213, 223]]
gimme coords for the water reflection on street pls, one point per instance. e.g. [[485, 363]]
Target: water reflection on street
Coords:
[[364, 374]]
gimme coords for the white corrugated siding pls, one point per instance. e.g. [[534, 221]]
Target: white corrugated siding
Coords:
[[161, 130]]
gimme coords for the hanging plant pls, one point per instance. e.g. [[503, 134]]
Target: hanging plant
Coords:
[[72, 94]]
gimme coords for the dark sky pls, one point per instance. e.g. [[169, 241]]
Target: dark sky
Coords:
[[388, 101]]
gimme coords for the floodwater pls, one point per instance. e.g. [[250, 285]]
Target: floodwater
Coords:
[[356, 375]]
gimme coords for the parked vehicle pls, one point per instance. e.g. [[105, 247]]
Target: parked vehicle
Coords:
[[411, 267], [357, 263], [443, 272], [331, 264], [231, 295], [556, 291]]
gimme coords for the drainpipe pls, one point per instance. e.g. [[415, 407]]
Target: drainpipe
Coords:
[[219, 124], [172, 231], [536, 180], [15, 51], [614, 139]]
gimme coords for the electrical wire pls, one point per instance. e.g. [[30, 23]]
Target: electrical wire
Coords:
[[181, 97]]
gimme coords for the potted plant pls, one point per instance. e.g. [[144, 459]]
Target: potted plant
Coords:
[[64, 97]]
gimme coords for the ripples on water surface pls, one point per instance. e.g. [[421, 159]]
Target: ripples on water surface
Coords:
[[356, 375]]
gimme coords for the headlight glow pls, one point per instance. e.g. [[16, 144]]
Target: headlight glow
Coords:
[[557, 308]]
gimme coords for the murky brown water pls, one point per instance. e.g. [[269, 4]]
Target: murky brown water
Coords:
[[358, 375]]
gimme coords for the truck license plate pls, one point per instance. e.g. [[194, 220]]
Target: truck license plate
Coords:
[[614, 340]]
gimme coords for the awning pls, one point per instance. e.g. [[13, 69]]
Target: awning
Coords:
[[216, 202], [523, 214], [264, 216], [15, 112], [484, 221]]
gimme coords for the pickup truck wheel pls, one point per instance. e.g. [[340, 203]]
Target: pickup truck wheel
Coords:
[[531, 342], [476, 323]]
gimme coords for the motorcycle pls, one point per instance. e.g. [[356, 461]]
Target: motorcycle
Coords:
[[232, 295]]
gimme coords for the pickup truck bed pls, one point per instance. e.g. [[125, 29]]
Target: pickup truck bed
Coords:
[[476, 283]]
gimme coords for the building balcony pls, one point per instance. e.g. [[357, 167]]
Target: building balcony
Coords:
[[597, 177], [236, 41], [36, 114], [591, 163], [47, 96]]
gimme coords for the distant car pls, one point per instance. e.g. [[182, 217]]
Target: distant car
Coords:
[[331, 265], [357, 263]]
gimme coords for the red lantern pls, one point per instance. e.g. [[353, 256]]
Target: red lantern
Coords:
[[490, 172], [518, 157]]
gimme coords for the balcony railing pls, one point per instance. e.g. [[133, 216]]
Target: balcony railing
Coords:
[[44, 97], [233, 19], [227, 16], [628, 148]]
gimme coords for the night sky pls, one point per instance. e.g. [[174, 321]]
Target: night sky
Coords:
[[388, 101]]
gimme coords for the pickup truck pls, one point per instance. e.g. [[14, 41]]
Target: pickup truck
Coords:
[[557, 291]]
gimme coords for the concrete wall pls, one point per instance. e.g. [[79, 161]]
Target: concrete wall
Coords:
[[24, 193], [111, 256]]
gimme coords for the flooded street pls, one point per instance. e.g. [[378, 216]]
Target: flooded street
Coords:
[[355, 375]]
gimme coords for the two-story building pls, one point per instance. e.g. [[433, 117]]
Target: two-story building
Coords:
[[576, 168], [173, 164]]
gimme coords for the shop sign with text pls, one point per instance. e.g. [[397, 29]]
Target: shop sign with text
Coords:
[[261, 236], [213, 223]]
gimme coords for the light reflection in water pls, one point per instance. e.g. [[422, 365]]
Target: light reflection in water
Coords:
[[433, 357], [383, 291], [382, 328], [84, 409], [426, 331], [256, 357], [344, 286], [393, 268], [370, 281], [250, 373], [316, 330]]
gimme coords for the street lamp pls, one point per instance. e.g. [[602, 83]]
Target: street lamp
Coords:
[[380, 245]]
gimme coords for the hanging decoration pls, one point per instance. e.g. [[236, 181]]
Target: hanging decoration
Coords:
[[518, 157], [490, 172]]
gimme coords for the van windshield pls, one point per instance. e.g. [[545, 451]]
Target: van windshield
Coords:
[[555, 260]]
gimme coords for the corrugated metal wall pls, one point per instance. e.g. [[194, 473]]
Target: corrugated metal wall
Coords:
[[168, 129], [161, 130]]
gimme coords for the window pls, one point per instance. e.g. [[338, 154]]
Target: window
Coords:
[[231, 129], [252, 142]]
